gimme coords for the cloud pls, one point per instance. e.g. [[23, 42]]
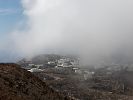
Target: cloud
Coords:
[[96, 30]]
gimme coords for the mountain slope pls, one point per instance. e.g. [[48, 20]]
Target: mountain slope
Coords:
[[18, 84]]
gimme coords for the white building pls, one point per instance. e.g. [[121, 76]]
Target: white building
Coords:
[[35, 70], [39, 65], [30, 65]]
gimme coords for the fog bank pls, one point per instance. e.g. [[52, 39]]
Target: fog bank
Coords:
[[100, 31]]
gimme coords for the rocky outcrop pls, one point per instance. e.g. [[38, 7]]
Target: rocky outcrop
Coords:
[[18, 84]]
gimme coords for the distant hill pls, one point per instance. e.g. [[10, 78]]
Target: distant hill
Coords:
[[44, 58], [40, 59], [19, 84]]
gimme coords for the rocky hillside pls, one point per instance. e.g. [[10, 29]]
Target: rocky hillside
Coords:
[[18, 84], [40, 59]]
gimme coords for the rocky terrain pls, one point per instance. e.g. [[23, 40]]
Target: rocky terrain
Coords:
[[18, 84], [97, 88], [64, 74]]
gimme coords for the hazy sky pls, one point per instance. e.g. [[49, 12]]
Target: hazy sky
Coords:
[[10, 16], [97, 30]]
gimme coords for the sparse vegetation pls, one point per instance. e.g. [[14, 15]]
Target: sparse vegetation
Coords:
[[18, 84]]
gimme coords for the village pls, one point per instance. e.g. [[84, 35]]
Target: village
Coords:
[[64, 65], [65, 74]]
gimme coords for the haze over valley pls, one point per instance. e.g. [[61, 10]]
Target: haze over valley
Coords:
[[68, 49]]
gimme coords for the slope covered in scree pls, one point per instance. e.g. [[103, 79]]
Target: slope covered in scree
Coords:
[[18, 84]]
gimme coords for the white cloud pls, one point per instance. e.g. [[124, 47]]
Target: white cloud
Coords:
[[94, 29]]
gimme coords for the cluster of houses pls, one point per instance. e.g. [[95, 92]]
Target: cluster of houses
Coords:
[[34, 67], [57, 64], [62, 66], [70, 66]]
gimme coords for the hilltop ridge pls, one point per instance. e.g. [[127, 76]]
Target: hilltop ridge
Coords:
[[18, 84]]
